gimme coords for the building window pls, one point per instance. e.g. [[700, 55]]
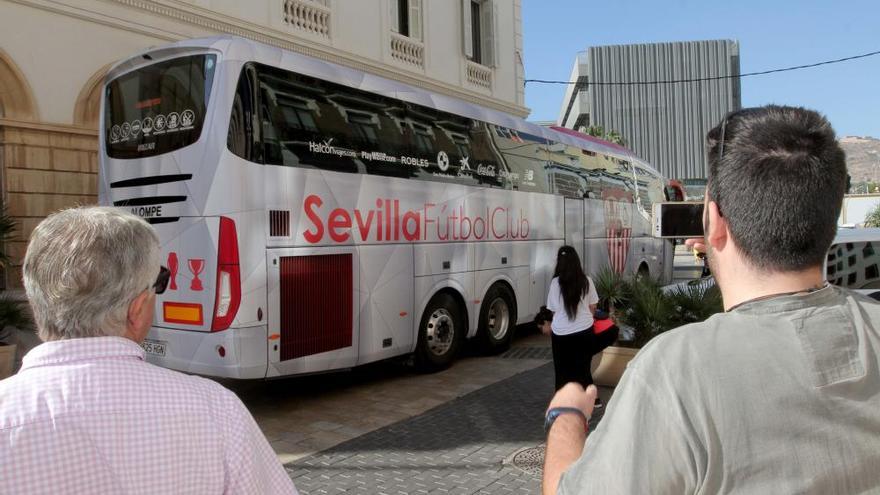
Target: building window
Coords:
[[406, 18], [363, 126], [462, 144], [476, 54], [423, 138], [298, 117], [478, 29]]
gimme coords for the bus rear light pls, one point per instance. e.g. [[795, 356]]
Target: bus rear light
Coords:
[[183, 313], [228, 296], [224, 293]]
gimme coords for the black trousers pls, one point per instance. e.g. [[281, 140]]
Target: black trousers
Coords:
[[572, 354]]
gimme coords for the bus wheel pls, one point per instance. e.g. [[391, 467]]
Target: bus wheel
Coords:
[[441, 331], [497, 319]]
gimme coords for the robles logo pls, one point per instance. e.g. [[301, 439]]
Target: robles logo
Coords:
[[428, 222]]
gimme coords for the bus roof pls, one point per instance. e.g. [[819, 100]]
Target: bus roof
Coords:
[[245, 50]]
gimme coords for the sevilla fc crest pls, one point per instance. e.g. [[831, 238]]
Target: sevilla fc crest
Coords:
[[618, 228]]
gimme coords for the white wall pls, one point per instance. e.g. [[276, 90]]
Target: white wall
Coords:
[[856, 208]]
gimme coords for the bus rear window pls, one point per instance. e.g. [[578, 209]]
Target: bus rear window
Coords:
[[158, 108]]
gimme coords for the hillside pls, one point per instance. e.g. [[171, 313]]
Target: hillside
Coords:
[[862, 158]]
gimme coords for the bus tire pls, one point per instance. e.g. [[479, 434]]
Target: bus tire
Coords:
[[497, 319], [441, 331]]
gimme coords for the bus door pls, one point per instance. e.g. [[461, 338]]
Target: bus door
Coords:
[[313, 309], [574, 226]]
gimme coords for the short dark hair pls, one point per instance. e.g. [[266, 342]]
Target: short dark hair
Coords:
[[778, 177]]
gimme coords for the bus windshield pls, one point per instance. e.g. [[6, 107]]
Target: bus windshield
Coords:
[[158, 108]]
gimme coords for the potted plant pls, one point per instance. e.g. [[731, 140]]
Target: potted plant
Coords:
[[13, 317], [614, 294], [13, 320], [643, 309]]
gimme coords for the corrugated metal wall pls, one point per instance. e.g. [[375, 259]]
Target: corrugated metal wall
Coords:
[[665, 124]]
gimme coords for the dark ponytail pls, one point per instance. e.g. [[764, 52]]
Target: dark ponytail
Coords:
[[573, 283]]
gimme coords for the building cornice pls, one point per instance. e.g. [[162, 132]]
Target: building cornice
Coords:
[[40, 126], [219, 23]]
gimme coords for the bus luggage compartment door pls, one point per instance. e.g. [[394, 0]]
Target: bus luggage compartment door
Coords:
[[313, 309]]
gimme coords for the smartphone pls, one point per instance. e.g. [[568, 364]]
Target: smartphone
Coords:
[[677, 220]]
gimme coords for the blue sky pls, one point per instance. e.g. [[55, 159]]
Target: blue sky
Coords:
[[771, 34]]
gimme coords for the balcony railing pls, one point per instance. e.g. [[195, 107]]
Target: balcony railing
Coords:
[[407, 50], [479, 75], [312, 16]]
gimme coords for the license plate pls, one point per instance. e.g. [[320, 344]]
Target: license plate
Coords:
[[154, 347]]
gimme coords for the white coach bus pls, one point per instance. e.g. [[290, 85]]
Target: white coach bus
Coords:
[[315, 217]]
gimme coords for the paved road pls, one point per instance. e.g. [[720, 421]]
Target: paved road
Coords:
[[464, 446], [305, 415]]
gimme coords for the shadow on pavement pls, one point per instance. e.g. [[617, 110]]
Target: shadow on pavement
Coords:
[[255, 392]]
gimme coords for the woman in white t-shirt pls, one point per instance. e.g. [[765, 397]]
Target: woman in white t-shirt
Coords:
[[573, 299]]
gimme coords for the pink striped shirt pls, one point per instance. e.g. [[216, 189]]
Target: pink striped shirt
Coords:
[[91, 416]]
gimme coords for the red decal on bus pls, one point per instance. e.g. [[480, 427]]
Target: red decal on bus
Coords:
[[339, 219], [196, 266], [385, 223], [311, 202], [148, 103], [172, 267]]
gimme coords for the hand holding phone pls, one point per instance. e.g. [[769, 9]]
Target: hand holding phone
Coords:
[[698, 245], [677, 220]]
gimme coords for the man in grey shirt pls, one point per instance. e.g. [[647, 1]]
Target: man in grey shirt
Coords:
[[779, 394]]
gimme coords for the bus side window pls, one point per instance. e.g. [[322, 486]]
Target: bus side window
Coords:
[[569, 184], [243, 137]]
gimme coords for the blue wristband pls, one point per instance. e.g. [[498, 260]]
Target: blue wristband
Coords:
[[555, 412]]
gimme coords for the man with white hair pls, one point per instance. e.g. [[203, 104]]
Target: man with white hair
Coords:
[[86, 413]]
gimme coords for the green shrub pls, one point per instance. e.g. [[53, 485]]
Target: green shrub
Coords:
[[642, 304], [694, 303], [648, 310], [7, 227], [873, 218], [612, 288], [12, 313]]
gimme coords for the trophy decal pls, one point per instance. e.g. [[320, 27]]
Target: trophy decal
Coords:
[[196, 265], [172, 267]]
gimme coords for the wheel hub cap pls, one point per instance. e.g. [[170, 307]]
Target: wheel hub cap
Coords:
[[440, 332], [499, 319]]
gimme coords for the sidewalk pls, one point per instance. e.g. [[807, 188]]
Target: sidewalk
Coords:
[[468, 445], [303, 416]]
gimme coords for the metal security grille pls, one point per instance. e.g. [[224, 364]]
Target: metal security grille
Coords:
[[316, 304]]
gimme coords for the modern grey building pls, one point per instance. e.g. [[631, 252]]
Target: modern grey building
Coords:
[[622, 88]]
